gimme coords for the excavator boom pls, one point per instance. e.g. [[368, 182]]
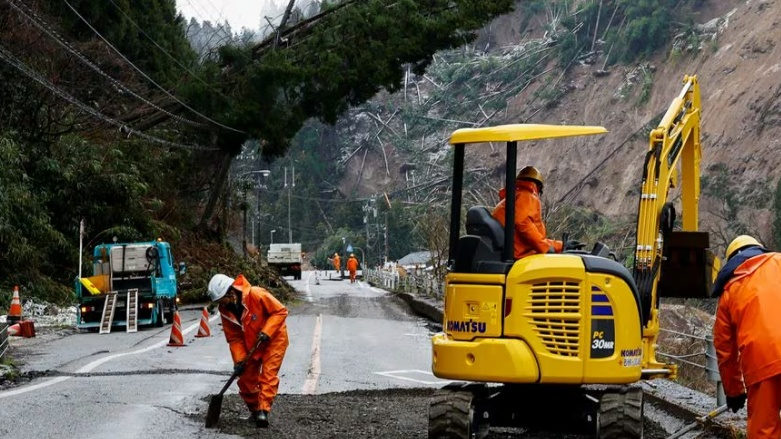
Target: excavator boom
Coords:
[[671, 263]]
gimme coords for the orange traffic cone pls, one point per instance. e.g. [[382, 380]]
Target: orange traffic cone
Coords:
[[204, 330], [15, 330], [177, 339], [15, 314]]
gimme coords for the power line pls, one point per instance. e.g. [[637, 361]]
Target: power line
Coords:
[[46, 28], [165, 51], [19, 65], [144, 74]]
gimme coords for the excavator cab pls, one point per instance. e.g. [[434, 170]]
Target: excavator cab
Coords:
[[567, 336]]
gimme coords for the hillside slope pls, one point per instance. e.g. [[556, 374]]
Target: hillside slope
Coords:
[[738, 70]]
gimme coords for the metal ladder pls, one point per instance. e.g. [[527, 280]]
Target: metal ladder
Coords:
[[108, 313], [132, 310]]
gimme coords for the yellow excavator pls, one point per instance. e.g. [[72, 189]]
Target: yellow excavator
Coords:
[[560, 342]]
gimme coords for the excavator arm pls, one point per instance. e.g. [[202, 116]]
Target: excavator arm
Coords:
[[670, 263]]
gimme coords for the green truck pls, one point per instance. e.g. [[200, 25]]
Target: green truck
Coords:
[[132, 284]]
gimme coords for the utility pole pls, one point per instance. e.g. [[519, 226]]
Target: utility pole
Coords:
[[386, 236], [289, 191], [244, 241], [368, 208]]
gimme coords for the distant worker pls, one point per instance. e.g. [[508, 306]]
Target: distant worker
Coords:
[[747, 335], [530, 234], [352, 267], [251, 314], [337, 262]]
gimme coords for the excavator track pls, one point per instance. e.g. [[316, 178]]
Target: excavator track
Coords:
[[621, 414], [454, 413]]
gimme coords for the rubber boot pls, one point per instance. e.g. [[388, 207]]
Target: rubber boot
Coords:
[[262, 421], [253, 417]]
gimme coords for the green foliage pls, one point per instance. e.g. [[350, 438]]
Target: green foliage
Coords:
[[648, 26], [323, 73], [157, 18]]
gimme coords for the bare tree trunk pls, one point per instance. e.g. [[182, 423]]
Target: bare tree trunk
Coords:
[[214, 195]]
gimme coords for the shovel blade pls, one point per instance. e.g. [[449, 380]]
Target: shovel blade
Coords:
[[213, 414]]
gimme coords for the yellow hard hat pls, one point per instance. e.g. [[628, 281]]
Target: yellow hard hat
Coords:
[[738, 243], [531, 173]]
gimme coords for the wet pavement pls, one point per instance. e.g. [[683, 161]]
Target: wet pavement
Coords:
[[358, 365]]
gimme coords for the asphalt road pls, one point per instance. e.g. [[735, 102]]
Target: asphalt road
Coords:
[[358, 366]]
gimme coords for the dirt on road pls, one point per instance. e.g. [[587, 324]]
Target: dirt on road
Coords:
[[377, 414]]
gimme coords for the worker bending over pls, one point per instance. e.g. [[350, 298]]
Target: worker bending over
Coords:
[[530, 234], [747, 334], [251, 314]]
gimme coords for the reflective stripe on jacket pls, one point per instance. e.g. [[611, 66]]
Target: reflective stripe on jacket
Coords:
[[530, 233], [747, 333]]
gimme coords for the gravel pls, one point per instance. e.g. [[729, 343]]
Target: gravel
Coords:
[[377, 414]]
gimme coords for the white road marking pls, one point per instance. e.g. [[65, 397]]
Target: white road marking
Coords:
[[310, 385], [90, 366], [399, 375]]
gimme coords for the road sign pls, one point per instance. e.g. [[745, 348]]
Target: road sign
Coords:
[[349, 247]]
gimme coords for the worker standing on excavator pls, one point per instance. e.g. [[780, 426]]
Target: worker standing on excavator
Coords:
[[530, 234], [747, 335]]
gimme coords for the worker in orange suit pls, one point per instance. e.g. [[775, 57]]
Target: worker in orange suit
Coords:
[[336, 261], [252, 315], [352, 267], [530, 234], [747, 335]]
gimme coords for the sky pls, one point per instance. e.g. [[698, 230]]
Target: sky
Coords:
[[239, 13]]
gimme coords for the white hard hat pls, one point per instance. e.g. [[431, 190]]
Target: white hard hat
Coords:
[[218, 286]]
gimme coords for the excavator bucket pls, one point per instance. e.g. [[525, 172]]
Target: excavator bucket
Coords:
[[688, 266]]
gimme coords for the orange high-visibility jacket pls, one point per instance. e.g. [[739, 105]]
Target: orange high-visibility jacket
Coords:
[[530, 233], [262, 313], [747, 334], [337, 262], [352, 264]]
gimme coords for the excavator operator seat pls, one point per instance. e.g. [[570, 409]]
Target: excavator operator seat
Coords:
[[480, 249], [480, 222]]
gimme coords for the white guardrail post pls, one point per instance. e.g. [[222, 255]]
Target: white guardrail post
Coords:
[[712, 368]]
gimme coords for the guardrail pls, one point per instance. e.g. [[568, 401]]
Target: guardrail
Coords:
[[711, 366], [410, 283], [427, 286], [3, 340]]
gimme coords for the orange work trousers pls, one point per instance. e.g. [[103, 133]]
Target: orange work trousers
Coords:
[[352, 276], [764, 405], [259, 383]]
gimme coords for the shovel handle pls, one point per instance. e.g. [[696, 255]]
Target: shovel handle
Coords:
[[234, 375]]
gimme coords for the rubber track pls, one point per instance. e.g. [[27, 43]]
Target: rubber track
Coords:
[[448, 415], [621, 415]]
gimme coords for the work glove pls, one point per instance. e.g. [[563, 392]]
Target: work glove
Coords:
[[573, 244], [263, 337], [736, 403], [238, 368]]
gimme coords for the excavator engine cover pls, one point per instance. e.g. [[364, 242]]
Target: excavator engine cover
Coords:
[[687, 266]]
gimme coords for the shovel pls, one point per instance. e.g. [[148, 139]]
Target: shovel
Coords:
[[215, 403], [700, 420]]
